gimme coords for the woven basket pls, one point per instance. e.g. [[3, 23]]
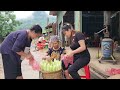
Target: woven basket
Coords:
[[52, 75]]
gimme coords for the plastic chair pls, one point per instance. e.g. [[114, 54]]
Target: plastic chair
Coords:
[[87, 72]]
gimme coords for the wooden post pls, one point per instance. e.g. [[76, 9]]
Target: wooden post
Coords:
[[78, 20], [107, 15], [119, 25], [107, 21], [48, 28], [54, 28], [63, 37], [47, 20]]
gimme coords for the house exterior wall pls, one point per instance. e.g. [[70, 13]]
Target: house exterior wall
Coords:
[[77, 22], [60, 15]]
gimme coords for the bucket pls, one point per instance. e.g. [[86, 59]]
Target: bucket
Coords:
[[52, 75], [107, 47]]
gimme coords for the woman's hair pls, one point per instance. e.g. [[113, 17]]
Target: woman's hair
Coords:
[[54, 38], [67, 26], [36, 28]]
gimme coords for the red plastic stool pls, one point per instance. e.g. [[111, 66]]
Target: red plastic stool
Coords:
[[87, 72]]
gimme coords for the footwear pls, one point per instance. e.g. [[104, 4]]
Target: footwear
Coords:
[[19, 77], [67, 76]]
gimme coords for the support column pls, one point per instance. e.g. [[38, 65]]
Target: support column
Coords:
[[107, 15], [78, 20], [119, 25], [107, 20]]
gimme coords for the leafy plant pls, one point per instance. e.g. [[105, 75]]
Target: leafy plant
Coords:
[[8, 23]]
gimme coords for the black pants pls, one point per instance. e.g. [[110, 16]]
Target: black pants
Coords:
[[11, 65], [77, 65]]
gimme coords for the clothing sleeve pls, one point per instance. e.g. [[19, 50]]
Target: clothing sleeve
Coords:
[[80, 36], [28, 44], [63, 51], [19, 44], [49, 51]]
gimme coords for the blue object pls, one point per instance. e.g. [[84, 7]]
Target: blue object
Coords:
[[107, 47]]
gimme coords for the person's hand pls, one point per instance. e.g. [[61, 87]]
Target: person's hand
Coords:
[[70, 54], [29, 56], [49, 59], [44, 58], [68, 58], [61, 57]]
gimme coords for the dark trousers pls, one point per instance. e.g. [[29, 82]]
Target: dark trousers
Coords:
[[77, 65], [11, 65]]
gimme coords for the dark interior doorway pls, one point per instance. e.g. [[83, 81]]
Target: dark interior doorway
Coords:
[[92, 21]]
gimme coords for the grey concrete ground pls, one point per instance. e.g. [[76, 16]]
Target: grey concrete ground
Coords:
[[29, 73], [1, 68], [102, 68]]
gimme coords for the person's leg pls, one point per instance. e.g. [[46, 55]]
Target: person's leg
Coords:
[[19, 72], [19, 77], [11, 67], [65, 71], [78, 64], [67, 76]]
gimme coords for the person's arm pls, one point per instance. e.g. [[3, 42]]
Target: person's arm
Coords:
[[25, 55], [80, 38], [48, 53], [63, 52], [19, 45], [21, 53], [81, 48], [61, 56], [46, 56]]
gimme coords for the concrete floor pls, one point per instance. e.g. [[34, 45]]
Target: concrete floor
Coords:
[[29, 73]]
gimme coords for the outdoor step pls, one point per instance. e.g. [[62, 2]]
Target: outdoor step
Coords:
[[102, 68], [117, 76], [98, 73]]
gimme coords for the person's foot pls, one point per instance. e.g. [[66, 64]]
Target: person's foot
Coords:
[[67, 76], [19, 77]]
